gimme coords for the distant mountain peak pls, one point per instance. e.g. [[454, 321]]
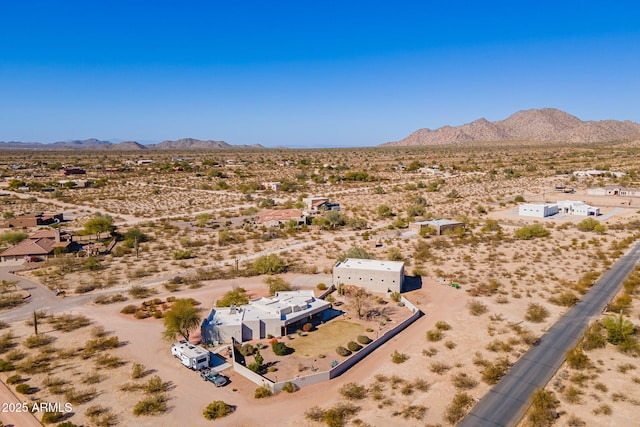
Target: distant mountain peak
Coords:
[[537, 125]]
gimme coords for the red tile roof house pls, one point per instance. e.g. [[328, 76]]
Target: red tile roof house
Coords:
[[273, 218], [38, 245]]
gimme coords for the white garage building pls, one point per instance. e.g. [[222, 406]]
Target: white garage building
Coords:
[[371, 274], [538, 210]]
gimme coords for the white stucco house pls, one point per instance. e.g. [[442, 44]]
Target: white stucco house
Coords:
[[261, 317], [371, 274], [571, 207]]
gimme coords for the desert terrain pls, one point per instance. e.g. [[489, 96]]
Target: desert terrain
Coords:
[[187, 225]]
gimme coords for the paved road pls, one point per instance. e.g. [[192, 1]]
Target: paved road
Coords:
[[507, 402]]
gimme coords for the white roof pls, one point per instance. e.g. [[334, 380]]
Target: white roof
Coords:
[[190, 350], [371, 264]]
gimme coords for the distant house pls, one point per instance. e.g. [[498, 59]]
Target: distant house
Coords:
[[273, 186], [439, 225], [371, 274], [314, 205], [274, 316], [596, 173], [32, 220], [276, 217], [543, 210], [72, 171], [614, 190], [39, 245], [145, 162]]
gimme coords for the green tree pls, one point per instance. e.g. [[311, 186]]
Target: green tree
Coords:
[[277, 284], [13, 237], [356, 252], [532, 231], [236, 296], [99, 224], [181, 319], [269, 264], [335, 219]]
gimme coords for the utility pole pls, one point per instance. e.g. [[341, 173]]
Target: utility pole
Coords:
[[135, 244], [35, 322]]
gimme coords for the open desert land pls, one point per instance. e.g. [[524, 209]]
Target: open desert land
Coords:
[[187, 225]]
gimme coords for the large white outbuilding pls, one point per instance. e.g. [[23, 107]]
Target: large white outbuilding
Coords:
[[371, 274]]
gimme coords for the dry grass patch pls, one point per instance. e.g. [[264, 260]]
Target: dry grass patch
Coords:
[[326, 338]]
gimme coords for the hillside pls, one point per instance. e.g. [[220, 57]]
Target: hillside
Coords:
[[95, 144], [544, 125]]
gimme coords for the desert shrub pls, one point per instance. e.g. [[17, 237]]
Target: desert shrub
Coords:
[[577, 359], [6, 366], [138, 291], [412, 411], [24, 388], [38, 341], [155, 385], [536, 313], [91, 378], [262, 392], [51, 417], [181, 254], [321, 287], [78, 397], [565, 299], [87, 287], [439, 368], [434, 335], [281, 349], [289, 387], [14, 379], [247, 349], [532, 231], [458, 407], [6, 341], [217, 409], [137, 370], [353, 391], [354, 346], [590, 224], [543, 408], [593, 337], [494, 371], [476, 308], [342, 351], [338, 415], [101, 344], [463, 381], [151, 405], [69, 322], [15, 355], [603, 409], [129, 309], [363, 339], [442, 326], [109, 362], [397, 357], [109, 299], [572, 394]]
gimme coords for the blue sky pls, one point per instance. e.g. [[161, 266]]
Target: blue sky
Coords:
[[306, 74]]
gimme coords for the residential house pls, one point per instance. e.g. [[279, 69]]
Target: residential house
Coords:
[[614, 190], [273, 186], [39, 245], [315, 205], [275, 316], [32, 220], [277, 217], [440, 226]]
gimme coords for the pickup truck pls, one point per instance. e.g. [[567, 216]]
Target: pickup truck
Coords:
[[214, 377]]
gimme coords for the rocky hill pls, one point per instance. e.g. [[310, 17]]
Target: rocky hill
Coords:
[[544, 125], [95, 144]]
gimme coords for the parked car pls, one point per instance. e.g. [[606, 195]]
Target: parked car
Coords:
[[214, 377]]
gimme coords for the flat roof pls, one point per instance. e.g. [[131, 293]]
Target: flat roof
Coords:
[[371, 264], [439, 222], [191, 350]]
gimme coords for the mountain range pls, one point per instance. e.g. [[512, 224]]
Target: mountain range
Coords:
[[95, 144], [543, 125]]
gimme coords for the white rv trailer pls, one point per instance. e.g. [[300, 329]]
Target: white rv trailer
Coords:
[[191, 356]]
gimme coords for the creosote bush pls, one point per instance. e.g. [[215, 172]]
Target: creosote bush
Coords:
[[397, 357], [353, 391], [216, 410], [536, 313]]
